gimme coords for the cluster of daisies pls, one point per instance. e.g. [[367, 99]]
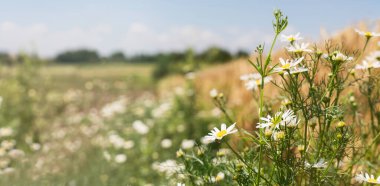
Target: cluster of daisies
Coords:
[[274, 125]]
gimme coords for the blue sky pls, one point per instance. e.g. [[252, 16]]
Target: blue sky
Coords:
[[48, 27]]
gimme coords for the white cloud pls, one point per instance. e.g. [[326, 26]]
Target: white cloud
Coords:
[[137, 38]]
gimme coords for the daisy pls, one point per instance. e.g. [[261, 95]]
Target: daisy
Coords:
[[291, 38], [287, 64], [217, 134], [372, 61], [367, 178], [214, 93], [320, 164], [367, 34], [297, 70], [338, 56], [253, 81], [296, 48], [270, 122]]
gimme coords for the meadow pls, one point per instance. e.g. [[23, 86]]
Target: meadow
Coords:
[[302, 114]]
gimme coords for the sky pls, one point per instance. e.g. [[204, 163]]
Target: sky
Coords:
[[48, 27]]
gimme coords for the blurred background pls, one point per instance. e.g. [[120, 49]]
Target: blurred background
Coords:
[[105, 92]]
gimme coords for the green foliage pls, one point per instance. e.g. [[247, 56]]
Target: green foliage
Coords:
[[78, 56]]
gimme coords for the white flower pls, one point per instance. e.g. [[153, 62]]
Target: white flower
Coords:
[[128, 144], [6, 131], [320, 164], [114, 108], [187, 144], [291, 38], [107, 155], [367, 65], [180, 184], [296, 48], [166, 143], [16, 153], [190, 75], [217, 134], [8, 144], [367, 34], [219, 177], [338, 56], [367, 178], [287, 118], [214, 93], [372, 61], [120, 158], [205, 140], [287, 64], [140, 127], [253, 81]]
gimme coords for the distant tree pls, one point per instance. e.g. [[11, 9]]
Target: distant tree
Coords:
[[215, 55], [78, 56], [241, 54], [5, 58], [117, 56]]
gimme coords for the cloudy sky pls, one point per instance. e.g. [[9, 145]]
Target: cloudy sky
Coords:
[[48, 27]]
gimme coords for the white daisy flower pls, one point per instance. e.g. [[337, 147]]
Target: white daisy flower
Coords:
[[367, 34], [372, 61], [217, 134], [219, 177], [180, 184], [367, 65], [166, 143], [320, 164], [367, 178], [253, 81], [120, 158], [291, 38], [187, 144], [214, 93], [286, 118], [297, 48], [288, 64], [338, 56]]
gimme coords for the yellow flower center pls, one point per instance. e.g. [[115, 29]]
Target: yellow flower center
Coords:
[[258, 82], [368, 34], [221, 133], [286, 66], [372, 180], [291, 39]]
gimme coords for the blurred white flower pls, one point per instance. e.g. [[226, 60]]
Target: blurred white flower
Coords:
[[169, 167], [140, 127], [291, 38], [7, 170], [128, 144], [6, 131], [117, 141], [120, 158], [180, 184], [8, 144], [16, 153], [214, 93], [367, 178], [116, 107], [187, 143], [297, 48], [253, 81], [371, 61], [217, 134], [166, 143], [190, 75], [320, 164], [219, 177], [107, 155], [205, 140]]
